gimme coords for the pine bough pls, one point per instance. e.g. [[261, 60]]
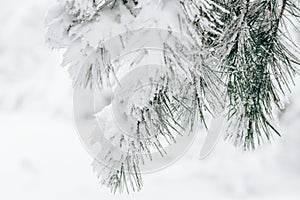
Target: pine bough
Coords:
[[241, 62]]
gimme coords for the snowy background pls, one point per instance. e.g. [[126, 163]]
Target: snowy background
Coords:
[[41, 156]]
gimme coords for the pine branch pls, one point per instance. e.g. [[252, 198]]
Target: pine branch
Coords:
[[254, 56]]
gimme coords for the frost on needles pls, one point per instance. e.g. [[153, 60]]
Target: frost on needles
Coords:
[[239, 62]]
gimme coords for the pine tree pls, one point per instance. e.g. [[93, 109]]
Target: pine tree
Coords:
[[239, 61]]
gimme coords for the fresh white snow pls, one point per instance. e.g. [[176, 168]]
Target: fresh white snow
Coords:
[[42, 156]]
